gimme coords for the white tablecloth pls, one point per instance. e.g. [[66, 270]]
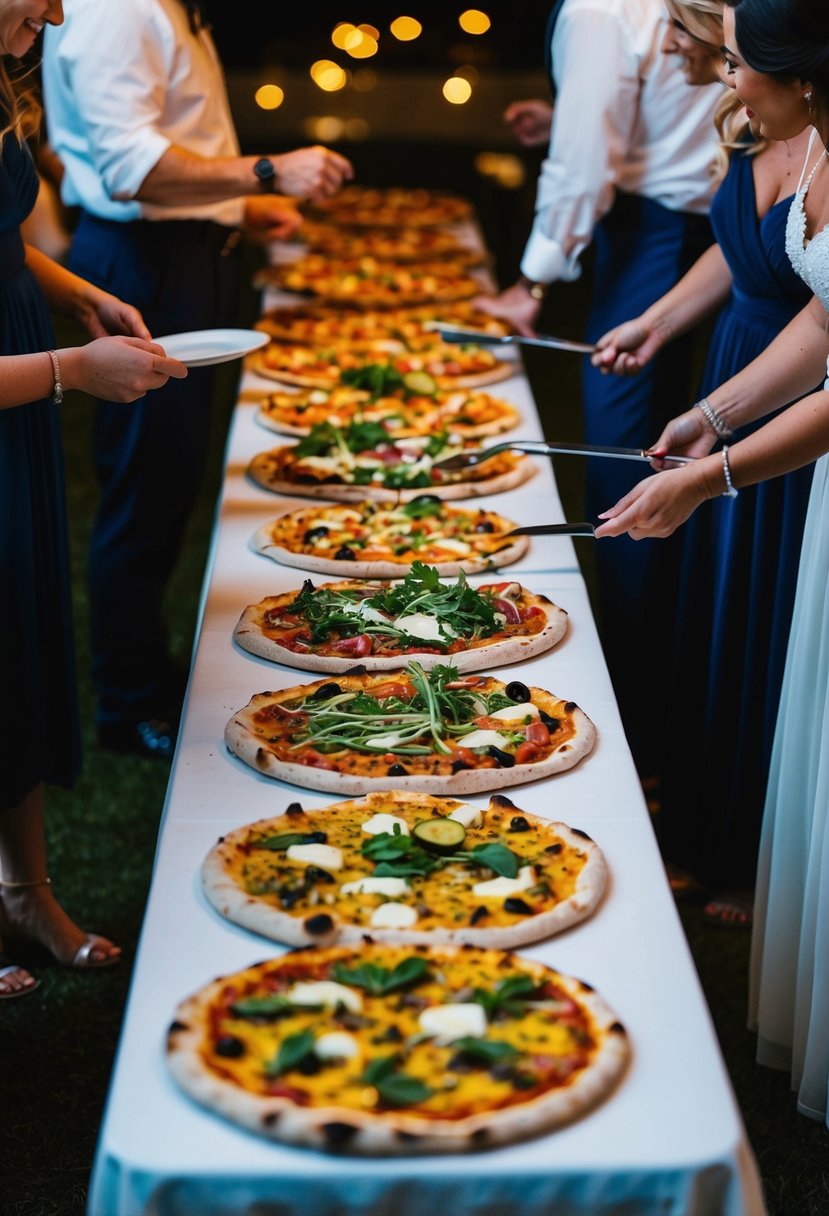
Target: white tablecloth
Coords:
[[669, 1141]]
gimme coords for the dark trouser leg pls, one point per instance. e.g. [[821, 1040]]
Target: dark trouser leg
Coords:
[[149, 456], [642, 250]]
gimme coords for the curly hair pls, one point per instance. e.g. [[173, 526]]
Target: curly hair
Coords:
[[20, 108]]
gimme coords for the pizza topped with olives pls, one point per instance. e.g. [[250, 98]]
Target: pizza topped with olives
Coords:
[[320, 325], [402, 245], [381, 539], [376, 283], [394, 207], [381, 1049], [405, 867], [379, 624], [425, 371], [436, 731]]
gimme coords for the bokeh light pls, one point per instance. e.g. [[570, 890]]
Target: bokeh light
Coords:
[[405, 29], [324, 127], [269, 97], [503, 168], [356, 129], [360, 44], [457, 90], [329, 76], [473, 21], [340, 32]]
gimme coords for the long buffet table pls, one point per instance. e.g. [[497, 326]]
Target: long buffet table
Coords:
[[668, 1141]]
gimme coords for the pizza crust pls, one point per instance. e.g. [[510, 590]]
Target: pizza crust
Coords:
[[501, 371], [261, 917], [522, 471], [398, 1132], [245, 743], [262, 542], [251, 637], [509, 420]]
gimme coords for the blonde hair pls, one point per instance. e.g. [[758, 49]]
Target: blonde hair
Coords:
[[703, 18], [20, 109]]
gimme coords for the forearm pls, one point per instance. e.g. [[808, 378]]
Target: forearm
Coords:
[[794, 364], [66, 292], [184, 178], [26, 378], [796, 437], [700, 292]]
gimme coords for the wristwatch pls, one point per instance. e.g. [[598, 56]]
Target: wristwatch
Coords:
[[538, 291], [265, 175]]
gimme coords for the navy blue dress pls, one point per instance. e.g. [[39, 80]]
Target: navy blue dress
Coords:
[[738, 577], [39, 727]]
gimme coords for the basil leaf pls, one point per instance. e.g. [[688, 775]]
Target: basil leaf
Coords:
[[378, 1069], [495, 857], [292, 1051], [285, 841], [487, 1051], [399, 1089], [507, 996], [379, 980], [260, 1007]]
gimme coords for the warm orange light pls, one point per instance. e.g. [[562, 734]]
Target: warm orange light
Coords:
[[406, 28], [360, 45], [325, 127], [340, 32], [371, 30], [504, 168], [327, 75], [473, 21], [269, 97], [457, 90]]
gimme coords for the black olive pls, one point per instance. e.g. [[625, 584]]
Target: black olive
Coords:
[[397, 770], [309, 1065], [503, 758], [553, 848], [551, 723], [295, 808], [315, 874], [318, 925], [517, 906], [486, 525], [457, 765], [314, 534], [229, 1046], [518, 824], [324, 692], [479, 914], [345, 554], [516, 691], [321, 837], [502, 1071]]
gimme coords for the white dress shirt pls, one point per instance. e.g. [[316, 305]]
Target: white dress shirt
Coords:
[[123, 80], [625, 119]]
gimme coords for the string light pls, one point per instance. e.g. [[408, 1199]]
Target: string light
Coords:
[[457, 90], [269, 97], [473, 21], [327, 75], [405, 29]]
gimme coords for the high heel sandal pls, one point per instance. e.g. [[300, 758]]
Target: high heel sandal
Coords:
[[82, 959], [8, 968]]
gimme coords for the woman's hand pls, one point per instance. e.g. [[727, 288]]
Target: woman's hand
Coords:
[[625, 350], [659, 504], [102, 315], [118, 368], [686, 435]]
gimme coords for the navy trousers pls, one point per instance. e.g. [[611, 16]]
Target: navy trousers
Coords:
[[149, 456], [641, 250]]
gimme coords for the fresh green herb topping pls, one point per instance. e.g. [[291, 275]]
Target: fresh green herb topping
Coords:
[[509, 996], [292, 1052], [379, 981], [399, 856], [393, 1087]]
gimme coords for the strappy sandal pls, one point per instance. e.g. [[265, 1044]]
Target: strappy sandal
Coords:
[[7, 968], [82, 959], [730, 910]]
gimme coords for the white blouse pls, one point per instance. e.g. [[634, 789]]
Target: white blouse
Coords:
[[122, 81], [624, 119]]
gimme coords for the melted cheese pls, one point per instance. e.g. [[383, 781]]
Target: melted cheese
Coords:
[[516, 713], [498, 888], [469, 816], [385, 823], [449, 1022], [482, 738], [393, 916], [375, 886], [336, 1045], [326, 993], [323, 855], [421, 625]]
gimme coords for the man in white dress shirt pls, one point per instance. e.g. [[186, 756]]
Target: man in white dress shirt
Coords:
[[137, 112], [629, 169]]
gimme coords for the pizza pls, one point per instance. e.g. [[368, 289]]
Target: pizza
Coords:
[[359, 461], [402, 412], [381, 539], [365, 206], [436, 731], [440, 365], [321, 325], [383, 1049], [381, 625], [375, 283], [400, 245], [406, 868]]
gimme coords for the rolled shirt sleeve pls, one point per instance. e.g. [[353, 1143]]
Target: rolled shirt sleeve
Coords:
[[597, 73]]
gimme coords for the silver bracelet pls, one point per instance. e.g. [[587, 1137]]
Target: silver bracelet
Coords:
[[716, 421], [729, 491], [57, 391]]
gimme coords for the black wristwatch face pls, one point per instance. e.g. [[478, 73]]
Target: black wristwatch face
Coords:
[[266, 174]]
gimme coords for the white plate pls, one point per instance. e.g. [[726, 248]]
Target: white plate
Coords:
[[205, 346]]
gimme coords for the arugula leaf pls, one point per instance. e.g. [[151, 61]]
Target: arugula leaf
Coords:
[[398, 855], [292, 1051], [286, 840], [422, 508], [261, 1007], [379, 981], [378, 379], [495, 857], [485, 1051]]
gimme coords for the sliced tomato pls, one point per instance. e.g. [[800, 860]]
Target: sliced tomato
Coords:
[[465, 756], [527, 752]]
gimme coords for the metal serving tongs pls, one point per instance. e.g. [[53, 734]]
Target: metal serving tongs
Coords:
[[553, 530], [453, 333], [534, 447]]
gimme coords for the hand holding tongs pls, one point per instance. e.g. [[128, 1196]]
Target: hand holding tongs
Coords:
[[453, 333], [534, 447]]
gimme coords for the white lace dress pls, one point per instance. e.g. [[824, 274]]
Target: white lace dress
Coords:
[[789, 994]]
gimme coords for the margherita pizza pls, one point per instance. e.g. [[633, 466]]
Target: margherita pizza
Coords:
[[382, 539], [320, 325], [401, 245], [373, 283], [395, 207], [361, 461], [382, 1049], [433, 731], [381, 625], [406, 868], [437, 366], [467, 413]]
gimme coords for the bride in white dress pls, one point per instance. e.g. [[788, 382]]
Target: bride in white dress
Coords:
[[778, 61]]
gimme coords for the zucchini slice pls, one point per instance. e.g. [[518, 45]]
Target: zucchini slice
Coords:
[[439, 835]]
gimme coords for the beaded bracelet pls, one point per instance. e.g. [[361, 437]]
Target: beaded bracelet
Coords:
[[729, 491], [716, 421], [57, 391]]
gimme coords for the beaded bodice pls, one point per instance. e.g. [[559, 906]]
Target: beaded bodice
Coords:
[[810, 259]]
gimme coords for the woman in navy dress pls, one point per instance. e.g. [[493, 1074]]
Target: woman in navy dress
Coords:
[[739, 557], [39, 728]]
